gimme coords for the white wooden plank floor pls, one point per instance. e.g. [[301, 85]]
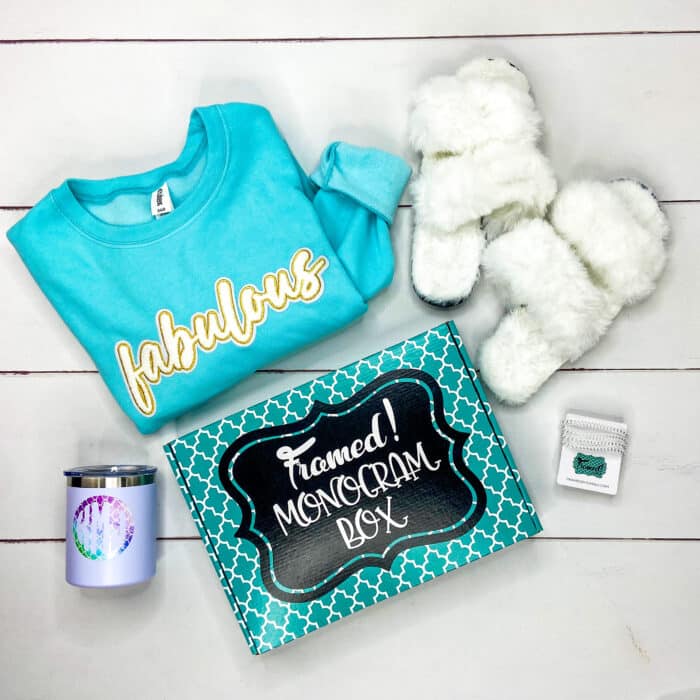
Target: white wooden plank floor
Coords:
[[605, 603]]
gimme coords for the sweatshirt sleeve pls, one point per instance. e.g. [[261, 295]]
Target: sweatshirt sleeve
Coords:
[[356, 192]]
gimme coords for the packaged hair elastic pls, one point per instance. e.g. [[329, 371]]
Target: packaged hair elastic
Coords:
[[591, 452]]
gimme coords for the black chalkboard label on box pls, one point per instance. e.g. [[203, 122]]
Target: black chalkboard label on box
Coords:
[[352, 484]]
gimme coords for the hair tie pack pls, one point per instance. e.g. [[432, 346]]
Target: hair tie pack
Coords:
[[591, 453]]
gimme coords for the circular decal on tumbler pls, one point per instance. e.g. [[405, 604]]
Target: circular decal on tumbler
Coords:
[[103, 527]]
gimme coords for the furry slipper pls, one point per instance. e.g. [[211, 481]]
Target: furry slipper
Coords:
[[481, 170], [566, 282]]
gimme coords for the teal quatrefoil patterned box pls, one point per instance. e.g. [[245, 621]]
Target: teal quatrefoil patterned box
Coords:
[[352, 487]]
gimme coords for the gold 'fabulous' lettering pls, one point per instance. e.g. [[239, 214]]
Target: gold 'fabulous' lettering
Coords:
[[231, 321]]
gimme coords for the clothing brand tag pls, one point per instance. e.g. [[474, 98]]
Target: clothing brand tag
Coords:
[[161, 203]]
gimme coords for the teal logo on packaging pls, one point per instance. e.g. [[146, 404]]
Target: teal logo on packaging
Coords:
[[590, 465], [352, 485]]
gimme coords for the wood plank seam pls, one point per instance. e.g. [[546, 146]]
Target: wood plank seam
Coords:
[[328, 39], [196, 538], [27, 207], [323, 370]]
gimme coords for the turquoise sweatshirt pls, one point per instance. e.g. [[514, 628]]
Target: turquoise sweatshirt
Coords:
[[181, 281]]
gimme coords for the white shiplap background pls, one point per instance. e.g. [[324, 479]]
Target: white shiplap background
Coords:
[[606, 603]]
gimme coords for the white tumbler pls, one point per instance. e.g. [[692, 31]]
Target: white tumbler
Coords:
[[110, 525]]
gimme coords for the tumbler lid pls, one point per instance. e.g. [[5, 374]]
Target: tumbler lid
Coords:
[[103, 476]]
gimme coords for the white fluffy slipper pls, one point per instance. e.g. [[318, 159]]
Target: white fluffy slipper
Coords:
[[564, 283], [481, 169]]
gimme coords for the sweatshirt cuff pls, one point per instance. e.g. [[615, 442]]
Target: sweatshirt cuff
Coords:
[[373, 178]]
